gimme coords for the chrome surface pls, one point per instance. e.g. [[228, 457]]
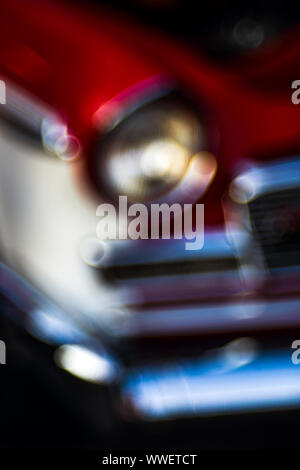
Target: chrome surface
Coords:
[[40, 121], [155, 269], [223, 316], [25, 110], [266, 178], [266, 199], [213, 386], [41, 318], [116, 148]]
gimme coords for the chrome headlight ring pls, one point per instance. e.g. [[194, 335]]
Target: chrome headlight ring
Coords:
[[155, 148]]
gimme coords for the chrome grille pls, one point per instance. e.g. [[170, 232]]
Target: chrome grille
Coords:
[[276, 224], [272, 196]]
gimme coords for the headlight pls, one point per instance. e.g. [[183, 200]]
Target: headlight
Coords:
[[148, 153]]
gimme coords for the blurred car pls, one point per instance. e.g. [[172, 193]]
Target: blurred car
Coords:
[[145, 332]]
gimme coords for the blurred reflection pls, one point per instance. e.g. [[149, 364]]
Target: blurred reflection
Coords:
[[206, 387], [85, 364]]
